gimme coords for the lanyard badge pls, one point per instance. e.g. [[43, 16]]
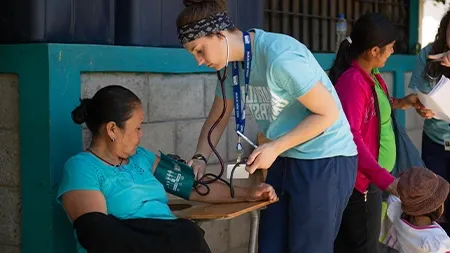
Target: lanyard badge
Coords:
[[239, 109]]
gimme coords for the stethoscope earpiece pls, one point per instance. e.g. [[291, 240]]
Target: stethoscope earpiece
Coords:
[[228, 51]]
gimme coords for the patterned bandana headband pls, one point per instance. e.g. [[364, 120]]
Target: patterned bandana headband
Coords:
[[204, 27]]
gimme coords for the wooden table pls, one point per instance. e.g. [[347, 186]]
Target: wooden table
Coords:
[[210, 212]]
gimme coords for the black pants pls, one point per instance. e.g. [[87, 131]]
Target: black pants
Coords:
[[360, 227], [171, 236], [100, 233], [438, 160]]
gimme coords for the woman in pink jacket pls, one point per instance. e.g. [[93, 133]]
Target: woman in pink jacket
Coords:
[[368, 107]]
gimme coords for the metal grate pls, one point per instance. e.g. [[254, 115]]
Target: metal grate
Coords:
[[313, 22]]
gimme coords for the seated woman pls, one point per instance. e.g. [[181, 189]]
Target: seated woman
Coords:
[[110, 193]]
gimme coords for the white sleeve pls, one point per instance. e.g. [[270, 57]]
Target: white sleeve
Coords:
[[394, 210], [437, 244]]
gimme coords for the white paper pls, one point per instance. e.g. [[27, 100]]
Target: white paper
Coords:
[[438, 99]]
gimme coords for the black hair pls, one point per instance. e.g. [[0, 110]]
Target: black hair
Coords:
[[434, 216], [111, 103], [370, 30], [432, 68]]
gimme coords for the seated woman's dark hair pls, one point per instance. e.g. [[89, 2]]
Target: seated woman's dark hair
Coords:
[[370, 30], [111, 103]]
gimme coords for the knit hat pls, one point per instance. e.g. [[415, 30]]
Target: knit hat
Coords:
[[421, 191]]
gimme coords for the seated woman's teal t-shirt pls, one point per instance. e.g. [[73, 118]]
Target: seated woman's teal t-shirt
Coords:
[[131, 191]]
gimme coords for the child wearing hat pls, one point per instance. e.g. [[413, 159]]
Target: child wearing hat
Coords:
[[414, 229]]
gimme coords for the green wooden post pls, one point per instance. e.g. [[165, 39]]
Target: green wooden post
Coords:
[[413, 23], [29, 62], [399, 92]]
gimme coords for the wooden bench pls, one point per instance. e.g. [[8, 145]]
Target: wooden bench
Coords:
[[211, 212]]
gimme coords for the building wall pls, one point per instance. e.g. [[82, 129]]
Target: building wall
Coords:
[[176, 106], [10, 203]]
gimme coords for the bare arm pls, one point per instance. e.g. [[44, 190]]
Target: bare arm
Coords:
[[96, 231], [79, 202], [220, 193], [199, 166], [324, 113], [408, 101]]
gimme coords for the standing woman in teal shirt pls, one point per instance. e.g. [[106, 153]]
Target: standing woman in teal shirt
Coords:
[[311, 155], [435, 132]]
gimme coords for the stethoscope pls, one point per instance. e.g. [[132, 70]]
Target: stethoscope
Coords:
[[202, 181]]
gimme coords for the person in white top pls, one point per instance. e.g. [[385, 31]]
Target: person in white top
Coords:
[[413, 217]]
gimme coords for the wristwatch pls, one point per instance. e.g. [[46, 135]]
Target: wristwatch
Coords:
[[200, 157]]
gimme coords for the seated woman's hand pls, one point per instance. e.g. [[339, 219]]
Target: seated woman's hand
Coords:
[[262, 191]]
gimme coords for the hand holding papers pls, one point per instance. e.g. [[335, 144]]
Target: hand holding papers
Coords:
[[438, 99]]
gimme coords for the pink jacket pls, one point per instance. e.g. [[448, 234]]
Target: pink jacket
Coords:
[[356, 91]]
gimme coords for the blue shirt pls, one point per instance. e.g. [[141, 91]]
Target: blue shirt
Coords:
[[131, 191], [437, 130], [282, 70]]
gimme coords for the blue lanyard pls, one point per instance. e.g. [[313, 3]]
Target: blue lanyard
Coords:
[[239, 110]]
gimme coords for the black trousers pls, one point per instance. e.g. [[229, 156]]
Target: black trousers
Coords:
[[100, 233], [361, 222], [438, 160]]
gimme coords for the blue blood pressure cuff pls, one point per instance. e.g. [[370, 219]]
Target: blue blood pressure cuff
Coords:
[[177, 178]]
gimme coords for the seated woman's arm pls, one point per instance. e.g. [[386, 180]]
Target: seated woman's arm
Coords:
[[96, 231], [220, 192], [79, 202], [85, 205]]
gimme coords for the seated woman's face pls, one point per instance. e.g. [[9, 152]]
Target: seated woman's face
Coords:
[[130, 136]]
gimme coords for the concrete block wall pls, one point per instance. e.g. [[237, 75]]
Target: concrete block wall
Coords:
[[10, 207], [176, 107]]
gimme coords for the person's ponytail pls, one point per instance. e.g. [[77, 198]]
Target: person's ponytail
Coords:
[[370, 30], [344, 58]]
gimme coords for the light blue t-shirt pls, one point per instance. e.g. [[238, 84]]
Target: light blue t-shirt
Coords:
[[437, 130], [282, 70], [131, 191]]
